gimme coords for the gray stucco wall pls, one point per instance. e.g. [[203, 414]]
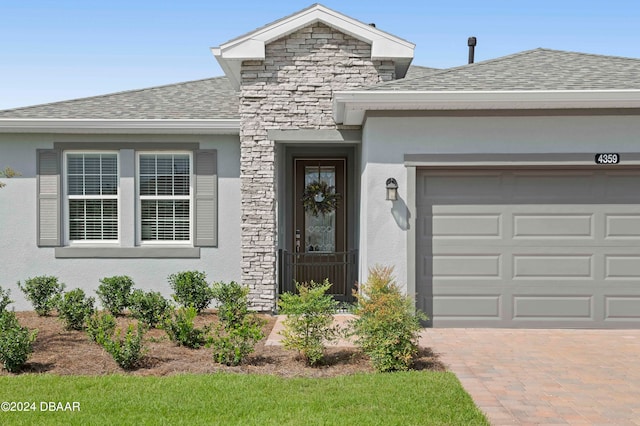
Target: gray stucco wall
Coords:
[[290, 89], [20, 258]]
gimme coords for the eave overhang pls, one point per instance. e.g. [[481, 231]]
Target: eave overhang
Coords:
[[384, 46], [350, 107], [92, 126]]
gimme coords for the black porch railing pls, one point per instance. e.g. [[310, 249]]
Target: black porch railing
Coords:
[[340, 268]]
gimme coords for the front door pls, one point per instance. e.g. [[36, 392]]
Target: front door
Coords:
[[320, 223]]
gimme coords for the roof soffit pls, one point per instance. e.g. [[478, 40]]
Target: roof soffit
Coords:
[[251, 46]]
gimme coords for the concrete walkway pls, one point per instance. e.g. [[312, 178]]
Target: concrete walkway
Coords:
[[546, 377]]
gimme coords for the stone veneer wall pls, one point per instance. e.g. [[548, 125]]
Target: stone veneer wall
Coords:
[[290, 89]]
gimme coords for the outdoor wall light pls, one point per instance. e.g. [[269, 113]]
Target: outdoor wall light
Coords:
[[392, 189]]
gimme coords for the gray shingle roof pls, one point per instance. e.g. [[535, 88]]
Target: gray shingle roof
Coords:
[[199, 100], [538, 69], [215, 98]]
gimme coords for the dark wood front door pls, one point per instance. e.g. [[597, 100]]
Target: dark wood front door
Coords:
[[320, 233], [320, 240]]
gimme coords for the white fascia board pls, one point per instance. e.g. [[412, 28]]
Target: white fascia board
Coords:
[[350, 107], [252, 46], [120, 126]]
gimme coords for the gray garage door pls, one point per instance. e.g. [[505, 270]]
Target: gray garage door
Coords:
[[529, 248]]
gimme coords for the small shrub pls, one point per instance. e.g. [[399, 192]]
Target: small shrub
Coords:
[[233, 305], [191, 289], [75, 308], [100, 327], [238, 331], [43, 292], [150, 308], [181, 330], [4, 299], [114, 293], [129, 349], [16, 342], [309, 318], [232, 345], [388, 325]]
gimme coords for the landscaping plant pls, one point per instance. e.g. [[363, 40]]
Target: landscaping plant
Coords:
[[150, 307], [238, 330], [16, 342], [129, 349], [43, 292], [4, 299], [388, 326], [100, 327], [114, 293], [191, 289], [309, 318], [181, 329], [75, 308]]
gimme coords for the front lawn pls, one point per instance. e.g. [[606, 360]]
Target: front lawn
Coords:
[[412, 398]]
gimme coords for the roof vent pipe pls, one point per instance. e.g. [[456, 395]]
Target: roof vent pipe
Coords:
[[472, 48]]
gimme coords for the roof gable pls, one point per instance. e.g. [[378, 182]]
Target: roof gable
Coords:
[[251, 46]]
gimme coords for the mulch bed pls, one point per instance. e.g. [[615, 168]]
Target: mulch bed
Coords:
[[62, 352]]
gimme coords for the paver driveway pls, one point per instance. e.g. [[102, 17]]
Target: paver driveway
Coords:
[[527, 377]]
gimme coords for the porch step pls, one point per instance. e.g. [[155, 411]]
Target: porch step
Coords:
[[275, 339]]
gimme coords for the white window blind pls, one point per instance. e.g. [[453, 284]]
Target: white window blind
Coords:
[[92, 193], [165, 197]]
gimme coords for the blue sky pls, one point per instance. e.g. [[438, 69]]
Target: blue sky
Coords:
[[54, 50]]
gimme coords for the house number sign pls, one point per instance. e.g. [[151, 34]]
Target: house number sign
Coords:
[[607, 158]]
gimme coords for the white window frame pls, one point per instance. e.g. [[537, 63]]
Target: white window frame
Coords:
[[139, 198], [67, 224]]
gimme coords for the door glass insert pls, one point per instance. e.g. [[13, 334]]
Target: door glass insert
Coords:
[[320, 235]]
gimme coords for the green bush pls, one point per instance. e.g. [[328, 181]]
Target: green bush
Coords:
[[388, 325], [129, 349], [232, 345], [4, 300], [191, 289], [309, 318], [238, 331], [16, 342], [43, 292], [75, 308], [233, 305], [181, 330], [100, 326], [150, 307], [114, 293]]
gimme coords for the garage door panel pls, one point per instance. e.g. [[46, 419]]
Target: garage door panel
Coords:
[[619, 308], [553, 307], [478, 266], [625, 226], [622, 267], [468, 306], [552, 267], [471, 225], [553, 187], [560, 225], [529, 248]]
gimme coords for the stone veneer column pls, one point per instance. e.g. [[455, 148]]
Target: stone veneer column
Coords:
[[290, 89]]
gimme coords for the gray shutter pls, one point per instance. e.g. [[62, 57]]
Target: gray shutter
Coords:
[[206, 198], [49, 194]]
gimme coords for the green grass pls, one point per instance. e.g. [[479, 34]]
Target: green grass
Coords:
[[412, 398]]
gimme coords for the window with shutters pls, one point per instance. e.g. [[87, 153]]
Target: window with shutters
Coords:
[[92, 196], [164, 197], [114, 200]]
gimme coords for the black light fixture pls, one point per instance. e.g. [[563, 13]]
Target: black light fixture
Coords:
[[392, 189]]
